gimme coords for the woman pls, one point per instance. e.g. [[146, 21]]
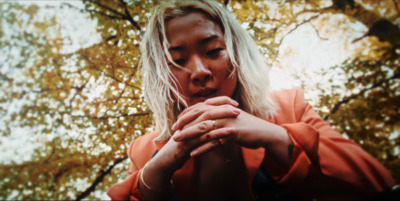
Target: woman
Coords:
[[220, 133]]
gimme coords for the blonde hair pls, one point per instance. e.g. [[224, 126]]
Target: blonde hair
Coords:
[[158, 82]]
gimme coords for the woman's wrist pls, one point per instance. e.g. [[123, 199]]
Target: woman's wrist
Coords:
[[153, 183], [279, 146], [160, 184]]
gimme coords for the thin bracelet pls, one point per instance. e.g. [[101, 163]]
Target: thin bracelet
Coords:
[[141, 178]]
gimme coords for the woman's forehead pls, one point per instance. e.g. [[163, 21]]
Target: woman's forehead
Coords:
[[193, 25]]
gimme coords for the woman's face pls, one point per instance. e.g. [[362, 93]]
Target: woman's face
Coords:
[[197, 44]]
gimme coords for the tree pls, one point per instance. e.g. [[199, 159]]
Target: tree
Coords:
[[85, 134], [86, 105]]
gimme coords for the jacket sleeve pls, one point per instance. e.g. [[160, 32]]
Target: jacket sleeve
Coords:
[[128, 189], [324, 163]]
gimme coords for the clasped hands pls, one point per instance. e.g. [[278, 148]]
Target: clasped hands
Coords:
[[200, 127], [209, 124]]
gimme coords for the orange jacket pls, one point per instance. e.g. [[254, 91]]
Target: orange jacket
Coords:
[[325, 165]]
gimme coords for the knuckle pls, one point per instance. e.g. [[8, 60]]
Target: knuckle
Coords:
[[221, 133], [176, 156], [207, 115], [203, 125], [197, 105], [196, 111], [227, 107], [208, 136]]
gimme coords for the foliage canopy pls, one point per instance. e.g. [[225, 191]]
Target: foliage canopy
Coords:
[[83, 106]]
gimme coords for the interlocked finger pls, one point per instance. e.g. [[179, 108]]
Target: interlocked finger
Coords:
[[205, 148], [205, 112], [221, 100], [196, 130], [212, 140], [219, 135]]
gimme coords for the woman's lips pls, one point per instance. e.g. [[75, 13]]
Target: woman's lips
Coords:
[[205, 94]]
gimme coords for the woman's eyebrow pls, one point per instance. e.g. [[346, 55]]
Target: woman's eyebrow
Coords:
[[202, 42], [209, 39], [175, 48]]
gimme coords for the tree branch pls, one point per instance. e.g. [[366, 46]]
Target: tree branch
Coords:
[[72, 6], [293, 29], [110, 117], [107, 8], [115, 16], [107, 74], [107, 15], [354, 96], [99, 179], [317, 32], [298, 25], [128, 16]]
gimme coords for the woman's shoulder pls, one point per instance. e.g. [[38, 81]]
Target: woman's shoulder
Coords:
[[289, 104], [142, 148], [288, 95]]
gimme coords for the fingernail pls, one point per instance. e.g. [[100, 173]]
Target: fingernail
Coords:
[[235, 102], [177, 135], [194, 153], [235, 111], [174, 125]]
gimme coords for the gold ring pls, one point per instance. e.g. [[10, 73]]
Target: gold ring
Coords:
[[222, 140], [214, 124]]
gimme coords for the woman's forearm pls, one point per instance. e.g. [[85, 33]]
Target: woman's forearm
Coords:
[[154, 183]]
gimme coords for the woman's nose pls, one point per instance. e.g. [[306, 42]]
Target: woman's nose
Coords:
[[200, 71]]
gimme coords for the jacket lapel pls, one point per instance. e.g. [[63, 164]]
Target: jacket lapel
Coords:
[[252, 160]]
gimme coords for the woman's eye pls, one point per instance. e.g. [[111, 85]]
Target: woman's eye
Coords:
[[180, 61], [214, 52]]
